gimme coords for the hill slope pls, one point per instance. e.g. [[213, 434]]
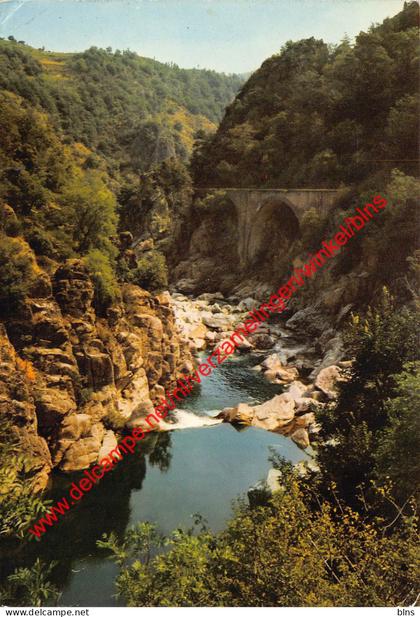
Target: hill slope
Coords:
[[319, 115], [135, 111]]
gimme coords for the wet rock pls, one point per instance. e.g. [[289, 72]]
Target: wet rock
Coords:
[[241, 414], [272, 362], [245, 346]]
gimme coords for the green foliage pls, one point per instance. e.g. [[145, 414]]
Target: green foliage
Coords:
[[151, 272], [29, 587], [319, 115], [381, 344], [92, 210], [399, 443], [16, 272], [107, 100], [214, 202], [402, 188], [103, 276], [287, 553], [312, 228], [18, 505], [155, 202]]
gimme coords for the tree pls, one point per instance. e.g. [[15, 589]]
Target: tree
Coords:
[[381, 344], [399, 443], [18, 505], [103, 276], [284, 553], [92, 209]]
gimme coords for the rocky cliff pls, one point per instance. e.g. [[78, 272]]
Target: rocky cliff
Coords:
[[70, 379]]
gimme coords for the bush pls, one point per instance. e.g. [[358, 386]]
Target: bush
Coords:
[[286, 553], [40, 242], [16, 272], [151, 272], [216, 201], [352, 428], [397, 454], [313, 227], [103, 276]]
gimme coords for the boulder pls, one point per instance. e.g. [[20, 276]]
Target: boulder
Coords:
[[275, 413], [301, 438], [263, 341], [198, 331], [241, 414], [248, 304], [82, 453], [218, 321], [296, 390], [304, 420], [272, 362], [327, 379], [109, 443], [281, 375]]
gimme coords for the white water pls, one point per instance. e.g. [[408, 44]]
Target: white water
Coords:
[[189, 419]]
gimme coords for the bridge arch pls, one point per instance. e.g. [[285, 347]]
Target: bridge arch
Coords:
[[269, 227]]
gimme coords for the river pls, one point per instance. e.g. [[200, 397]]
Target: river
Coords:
[[199, 467]]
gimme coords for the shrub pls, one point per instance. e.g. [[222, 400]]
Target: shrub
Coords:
[[103, 276], [40, 242], [151, 272], [16, 272], [286, 553], [313, 227]]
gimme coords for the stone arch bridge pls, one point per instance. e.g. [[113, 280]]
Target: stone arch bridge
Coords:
[[263, 214]]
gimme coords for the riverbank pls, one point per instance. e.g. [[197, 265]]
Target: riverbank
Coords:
[[285, 357]]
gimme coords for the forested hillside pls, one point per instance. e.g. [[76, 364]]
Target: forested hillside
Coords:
[[77, 131], [98, 211], [135, 111], [320, 115]]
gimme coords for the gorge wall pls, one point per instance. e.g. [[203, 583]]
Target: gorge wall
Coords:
[[71, 379]]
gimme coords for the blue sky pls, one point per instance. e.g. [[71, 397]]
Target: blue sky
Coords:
[[225, 35]]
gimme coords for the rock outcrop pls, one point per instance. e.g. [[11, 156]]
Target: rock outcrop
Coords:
[[69, 376]]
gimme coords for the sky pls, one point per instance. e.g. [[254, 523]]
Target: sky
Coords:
[[231, 36]]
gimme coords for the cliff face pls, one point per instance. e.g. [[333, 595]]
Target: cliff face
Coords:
[[69, 377]]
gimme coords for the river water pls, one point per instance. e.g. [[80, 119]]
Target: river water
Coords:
[[202, 466]]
